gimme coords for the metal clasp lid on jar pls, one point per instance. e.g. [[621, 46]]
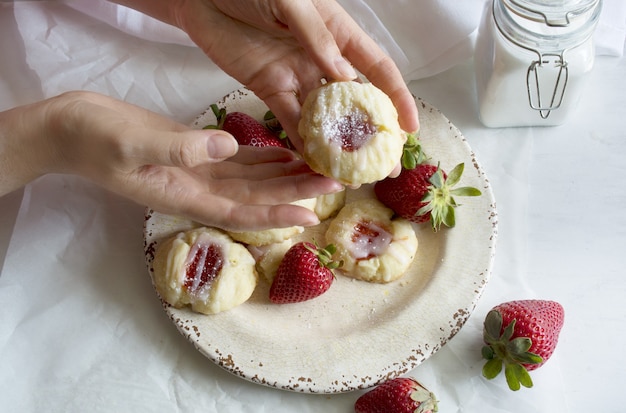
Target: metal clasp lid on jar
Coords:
[[549, 29]]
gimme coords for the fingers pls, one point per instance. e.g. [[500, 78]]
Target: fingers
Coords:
[[229, 204], [272, 216], [309, 28], [279, 190], [254, 172], [186, 149], [232, 216], [250, 155], [365, 54], [330, 36]]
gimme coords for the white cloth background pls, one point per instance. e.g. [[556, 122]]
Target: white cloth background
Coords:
[[424, 38], [81, 328]]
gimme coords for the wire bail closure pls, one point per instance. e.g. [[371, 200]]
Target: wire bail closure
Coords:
[[535, 77], [538, 74]]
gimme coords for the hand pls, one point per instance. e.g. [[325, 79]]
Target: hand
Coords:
[[157, 162], [280, 49]]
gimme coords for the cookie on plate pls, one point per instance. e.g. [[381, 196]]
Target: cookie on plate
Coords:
[[268, 258], [205, 269], [373, 246], [351, 132], [328, 205], [274, 235]]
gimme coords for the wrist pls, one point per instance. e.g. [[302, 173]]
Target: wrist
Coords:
[[37, 139], [23, 151]]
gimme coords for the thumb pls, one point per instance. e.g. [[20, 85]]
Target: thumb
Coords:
[[189, 148]]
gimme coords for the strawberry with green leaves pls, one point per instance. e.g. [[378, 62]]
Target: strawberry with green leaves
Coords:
[[305, 272], [424, 193], [399, 395], [521, 336], [245, 129]]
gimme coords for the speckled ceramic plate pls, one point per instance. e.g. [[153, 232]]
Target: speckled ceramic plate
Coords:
[[357, 334]]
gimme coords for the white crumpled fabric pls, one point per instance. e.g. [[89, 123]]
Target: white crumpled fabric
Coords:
[[423, 38]]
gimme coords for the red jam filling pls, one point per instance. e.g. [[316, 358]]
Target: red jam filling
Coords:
[[369, 240], [204, 265], [351, 131]]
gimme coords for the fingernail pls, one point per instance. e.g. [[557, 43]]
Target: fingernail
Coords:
[[345, 68], [311, 220], [221, 145]]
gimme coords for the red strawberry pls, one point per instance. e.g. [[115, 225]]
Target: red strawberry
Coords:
[[521, 335], [245, 129], [271, 122], [424, 193], [400, 395], [305, 272]]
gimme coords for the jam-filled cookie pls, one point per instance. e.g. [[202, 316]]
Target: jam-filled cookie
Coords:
[[205, 269], [329, 204], [373, 246], [351, 132], [268, 258]]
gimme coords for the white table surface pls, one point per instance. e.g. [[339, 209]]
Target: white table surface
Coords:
[[81, 328]]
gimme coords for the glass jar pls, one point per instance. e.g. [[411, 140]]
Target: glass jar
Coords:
[[532, 60]]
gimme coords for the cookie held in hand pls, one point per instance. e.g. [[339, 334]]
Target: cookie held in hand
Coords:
[[351, 132]]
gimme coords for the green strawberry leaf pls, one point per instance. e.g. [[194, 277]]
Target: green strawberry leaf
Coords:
[[492, 368], [412, 153], [448, 216], [412, 139], [511, 374], [465, 191], [408, 161], [220, 117], [455, 174], [519, 345], [426, 208], [492, 326], [527, 358], [524, 378], [508, 331], [517, 376], [269, 115], [216, 111], [437, 179], [487, 352]]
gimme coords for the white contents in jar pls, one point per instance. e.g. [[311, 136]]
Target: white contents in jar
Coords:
[[517, 88]]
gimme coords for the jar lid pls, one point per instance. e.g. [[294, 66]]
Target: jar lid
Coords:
[[549, 26], [554, 13]]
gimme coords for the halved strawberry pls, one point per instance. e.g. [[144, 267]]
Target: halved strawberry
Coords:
[[305, 272], [245, 129]]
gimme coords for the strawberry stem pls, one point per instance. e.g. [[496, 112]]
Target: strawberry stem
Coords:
[[412, 153], [439, 200], [501, 349]]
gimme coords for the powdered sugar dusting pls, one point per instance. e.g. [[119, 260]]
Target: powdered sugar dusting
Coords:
[[350, 132]]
